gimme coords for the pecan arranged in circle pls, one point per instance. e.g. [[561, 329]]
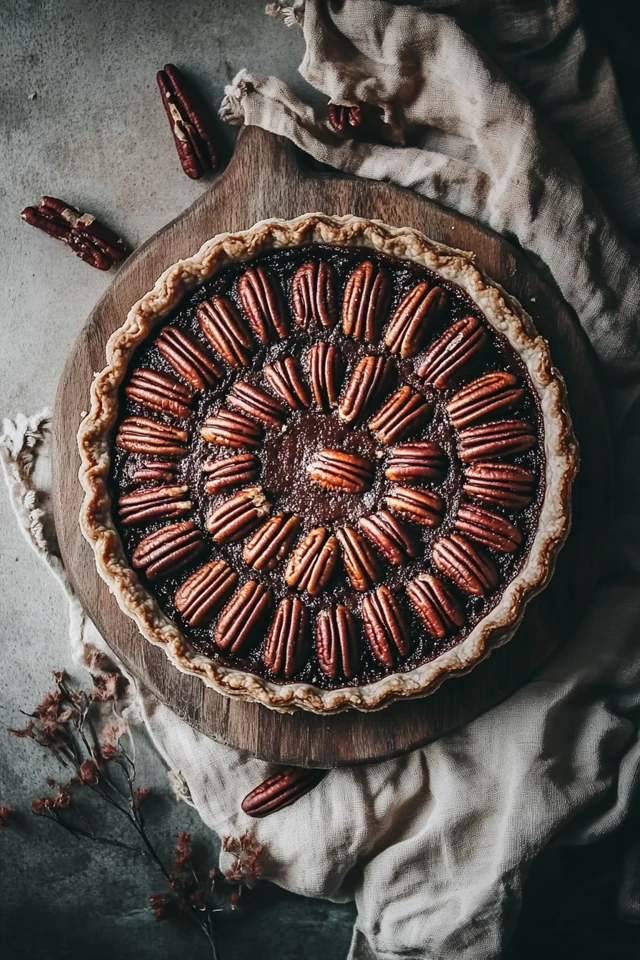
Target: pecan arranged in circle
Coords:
[[281, 790], [229, 472], [339, 470], [385, 627], [165, 471], [359, 561], [325, 370], [272, 542], [488, 528], [312, 562], [445, 359], [483, 397], [366, 298], [423, 507], [190, 125], [242, 617], [153, 503], [369, 380], [143, 435], [501, 484], [337, 642], [263, 304], [416, 463], [188, 358], [402, 414], [435, 605], [229, 429], [467, 565], [225, 330], [285, 651], [89, 239], [157, 391], [391, 538], [285, 377], [256, 403], [313, 295], [409, 324], [198, 598], [169, 549], [239, 515], [344, 119], [504, 438]]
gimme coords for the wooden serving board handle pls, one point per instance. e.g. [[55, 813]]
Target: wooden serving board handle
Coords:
[[263, 180]]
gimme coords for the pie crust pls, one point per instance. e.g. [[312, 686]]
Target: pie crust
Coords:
[[501, 311]]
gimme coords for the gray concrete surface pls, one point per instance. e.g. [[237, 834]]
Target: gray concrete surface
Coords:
[[96, 135]]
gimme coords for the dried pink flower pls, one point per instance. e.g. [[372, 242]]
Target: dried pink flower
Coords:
[[88, 771], [24, 732], [246, 851], [107, 686], [5, 814], [184, 851], [140, 794], [161, 905]]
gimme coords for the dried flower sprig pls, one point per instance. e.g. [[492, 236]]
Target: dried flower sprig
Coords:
[[98, 763]]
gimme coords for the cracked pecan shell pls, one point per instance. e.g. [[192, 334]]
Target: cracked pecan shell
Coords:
[[158, 391], [313, 295], [489, 441], [404, 413], [263, 304], [272, 542], [500, 484], [188, 358], [226, 473], [337, 645], [435, 605], [242, 617], [446, 359], [416, 463], [285, 377], [256, 403], [359, 561], [287, 641], [423, 507], [226, 331], [153, 503], [410, 322], [325, 372], [313, 561], [168, 549], [370, 378], [391, 538], [201, 594], [281, 790], [482, 398], [239, 515], [143, 435], [385, 627], [367, 295], [489, 528], [227, 428], [466, 564], [339, 470]]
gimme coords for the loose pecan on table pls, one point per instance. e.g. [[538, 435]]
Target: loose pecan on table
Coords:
[[402, 414], [337, 644], [466, 564], [201, 594], [312, 562], [89, 239], [498, 391], [489, 528], [143, 435], [281, 790], [256, 403], [287, 641], [313, 294], [167, 550], [229, 472], [410, 322], [423, 507], [226, 330], [244, 613], [385, 627], [435, 605], [339, 470], [504, 438], [325, 371], [190, 124], [271, 542], [263, 303], [188, 358], [416, 462], [366, 297], [359, 561], [500, 484], [445, 359], [369, 379], [226, 428], [344, 120], [391, 538], [239, 515], [158, 391], [153, 503], [285, 377]]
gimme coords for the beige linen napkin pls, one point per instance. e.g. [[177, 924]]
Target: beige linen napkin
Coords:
[[433, 846]]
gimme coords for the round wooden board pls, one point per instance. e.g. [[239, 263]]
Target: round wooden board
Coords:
[[263, 180]]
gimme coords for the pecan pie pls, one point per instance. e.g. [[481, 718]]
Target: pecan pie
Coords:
[[327, 464]]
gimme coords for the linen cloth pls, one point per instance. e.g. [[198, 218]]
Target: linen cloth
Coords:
[[433, 846]]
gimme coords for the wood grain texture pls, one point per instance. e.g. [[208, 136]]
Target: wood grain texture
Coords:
[[265, 179]]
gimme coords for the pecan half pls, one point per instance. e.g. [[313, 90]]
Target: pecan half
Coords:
[[445, 359], [285, 651], [385, 627], [500, 484], [229, 472], [167, 550], [339, 470], [313, 295], [198, 598], [89, 239], [483, 397], [402, 414], [410, 322], [188, 358], [243, 615], [281, 790], [423, 507], [312, 562], [416, 462], [488, 528], [272, 542], [142, 435], [386, 533], [325, 371], [435, 605], [153, 503], [157, 391], [256, 403], [337, 644], [190, 125], [358, 559], [285, 377], [370, 378], [344, 120], [467, 565], [161, 470], [226, 331], [367, 295], [504, 438], [234, 518], [229, 429], [263, 304]]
